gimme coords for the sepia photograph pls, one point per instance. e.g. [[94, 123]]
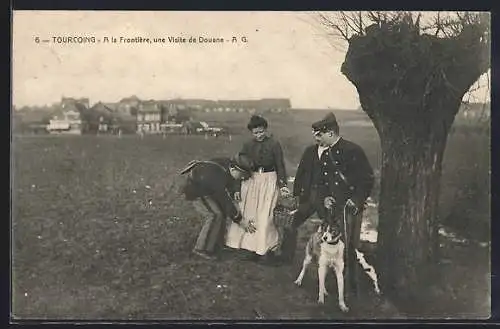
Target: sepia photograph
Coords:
[[250, 166]]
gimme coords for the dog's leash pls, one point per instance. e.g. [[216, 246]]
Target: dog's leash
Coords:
[[344, 219], [347, 242]]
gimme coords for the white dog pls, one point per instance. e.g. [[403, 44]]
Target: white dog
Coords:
[[328, 248]]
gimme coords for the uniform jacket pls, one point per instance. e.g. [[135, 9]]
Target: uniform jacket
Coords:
[[212, 179], [343, 171], [267, 154]]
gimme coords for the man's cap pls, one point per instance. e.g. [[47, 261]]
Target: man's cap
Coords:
[[328, 123]]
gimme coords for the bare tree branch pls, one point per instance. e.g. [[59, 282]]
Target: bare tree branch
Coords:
[[438, 24], [346, 23], [374, 16], [353, 23], [441, 25], [327, 22], [417, 21], [360, 21]]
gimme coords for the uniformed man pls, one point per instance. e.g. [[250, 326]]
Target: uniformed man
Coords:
[[334, 178], [211, 185]]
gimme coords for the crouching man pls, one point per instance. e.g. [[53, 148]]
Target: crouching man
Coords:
[[211, 186]]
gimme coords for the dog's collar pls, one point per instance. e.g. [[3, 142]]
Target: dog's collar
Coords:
[[334, 242]]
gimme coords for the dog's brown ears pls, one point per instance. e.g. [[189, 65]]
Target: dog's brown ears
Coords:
[[322, 227]]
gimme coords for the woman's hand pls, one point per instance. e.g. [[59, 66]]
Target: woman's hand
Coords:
[[237, 196]]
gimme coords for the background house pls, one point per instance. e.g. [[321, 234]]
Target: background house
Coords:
[[31, 120], [176, 111], [276, 105], [71, 103], [65, 121], [67, 117], [249, 106], [112, 118], [99, 118], [128, 105], [149, 117], [130, 114]]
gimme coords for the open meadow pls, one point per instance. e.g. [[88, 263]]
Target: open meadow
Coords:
[[99, 230]]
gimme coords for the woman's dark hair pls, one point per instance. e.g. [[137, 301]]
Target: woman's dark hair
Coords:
[[257, 121]]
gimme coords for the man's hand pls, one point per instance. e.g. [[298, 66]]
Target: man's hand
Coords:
[[354, 207], [329, 202], [237, 196], [249, 227]]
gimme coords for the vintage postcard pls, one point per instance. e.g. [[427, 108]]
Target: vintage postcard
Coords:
[[250, 166]]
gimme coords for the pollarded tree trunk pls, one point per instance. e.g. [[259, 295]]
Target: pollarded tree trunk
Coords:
[[412, 152], [411, 86]]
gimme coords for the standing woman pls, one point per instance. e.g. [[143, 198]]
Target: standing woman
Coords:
[[260, 193]]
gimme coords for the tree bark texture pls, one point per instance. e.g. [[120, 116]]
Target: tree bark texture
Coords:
[[411, 86]]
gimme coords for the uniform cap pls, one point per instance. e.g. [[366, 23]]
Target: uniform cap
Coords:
[[328, 123]]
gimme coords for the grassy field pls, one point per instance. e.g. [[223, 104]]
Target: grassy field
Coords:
[[99, 232]]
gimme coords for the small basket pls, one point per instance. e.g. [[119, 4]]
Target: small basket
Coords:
[[283, 215], [283, 212]]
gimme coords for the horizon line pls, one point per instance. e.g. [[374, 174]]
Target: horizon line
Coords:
[[92, 103]]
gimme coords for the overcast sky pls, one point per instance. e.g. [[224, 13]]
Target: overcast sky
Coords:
[[285, 56]]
